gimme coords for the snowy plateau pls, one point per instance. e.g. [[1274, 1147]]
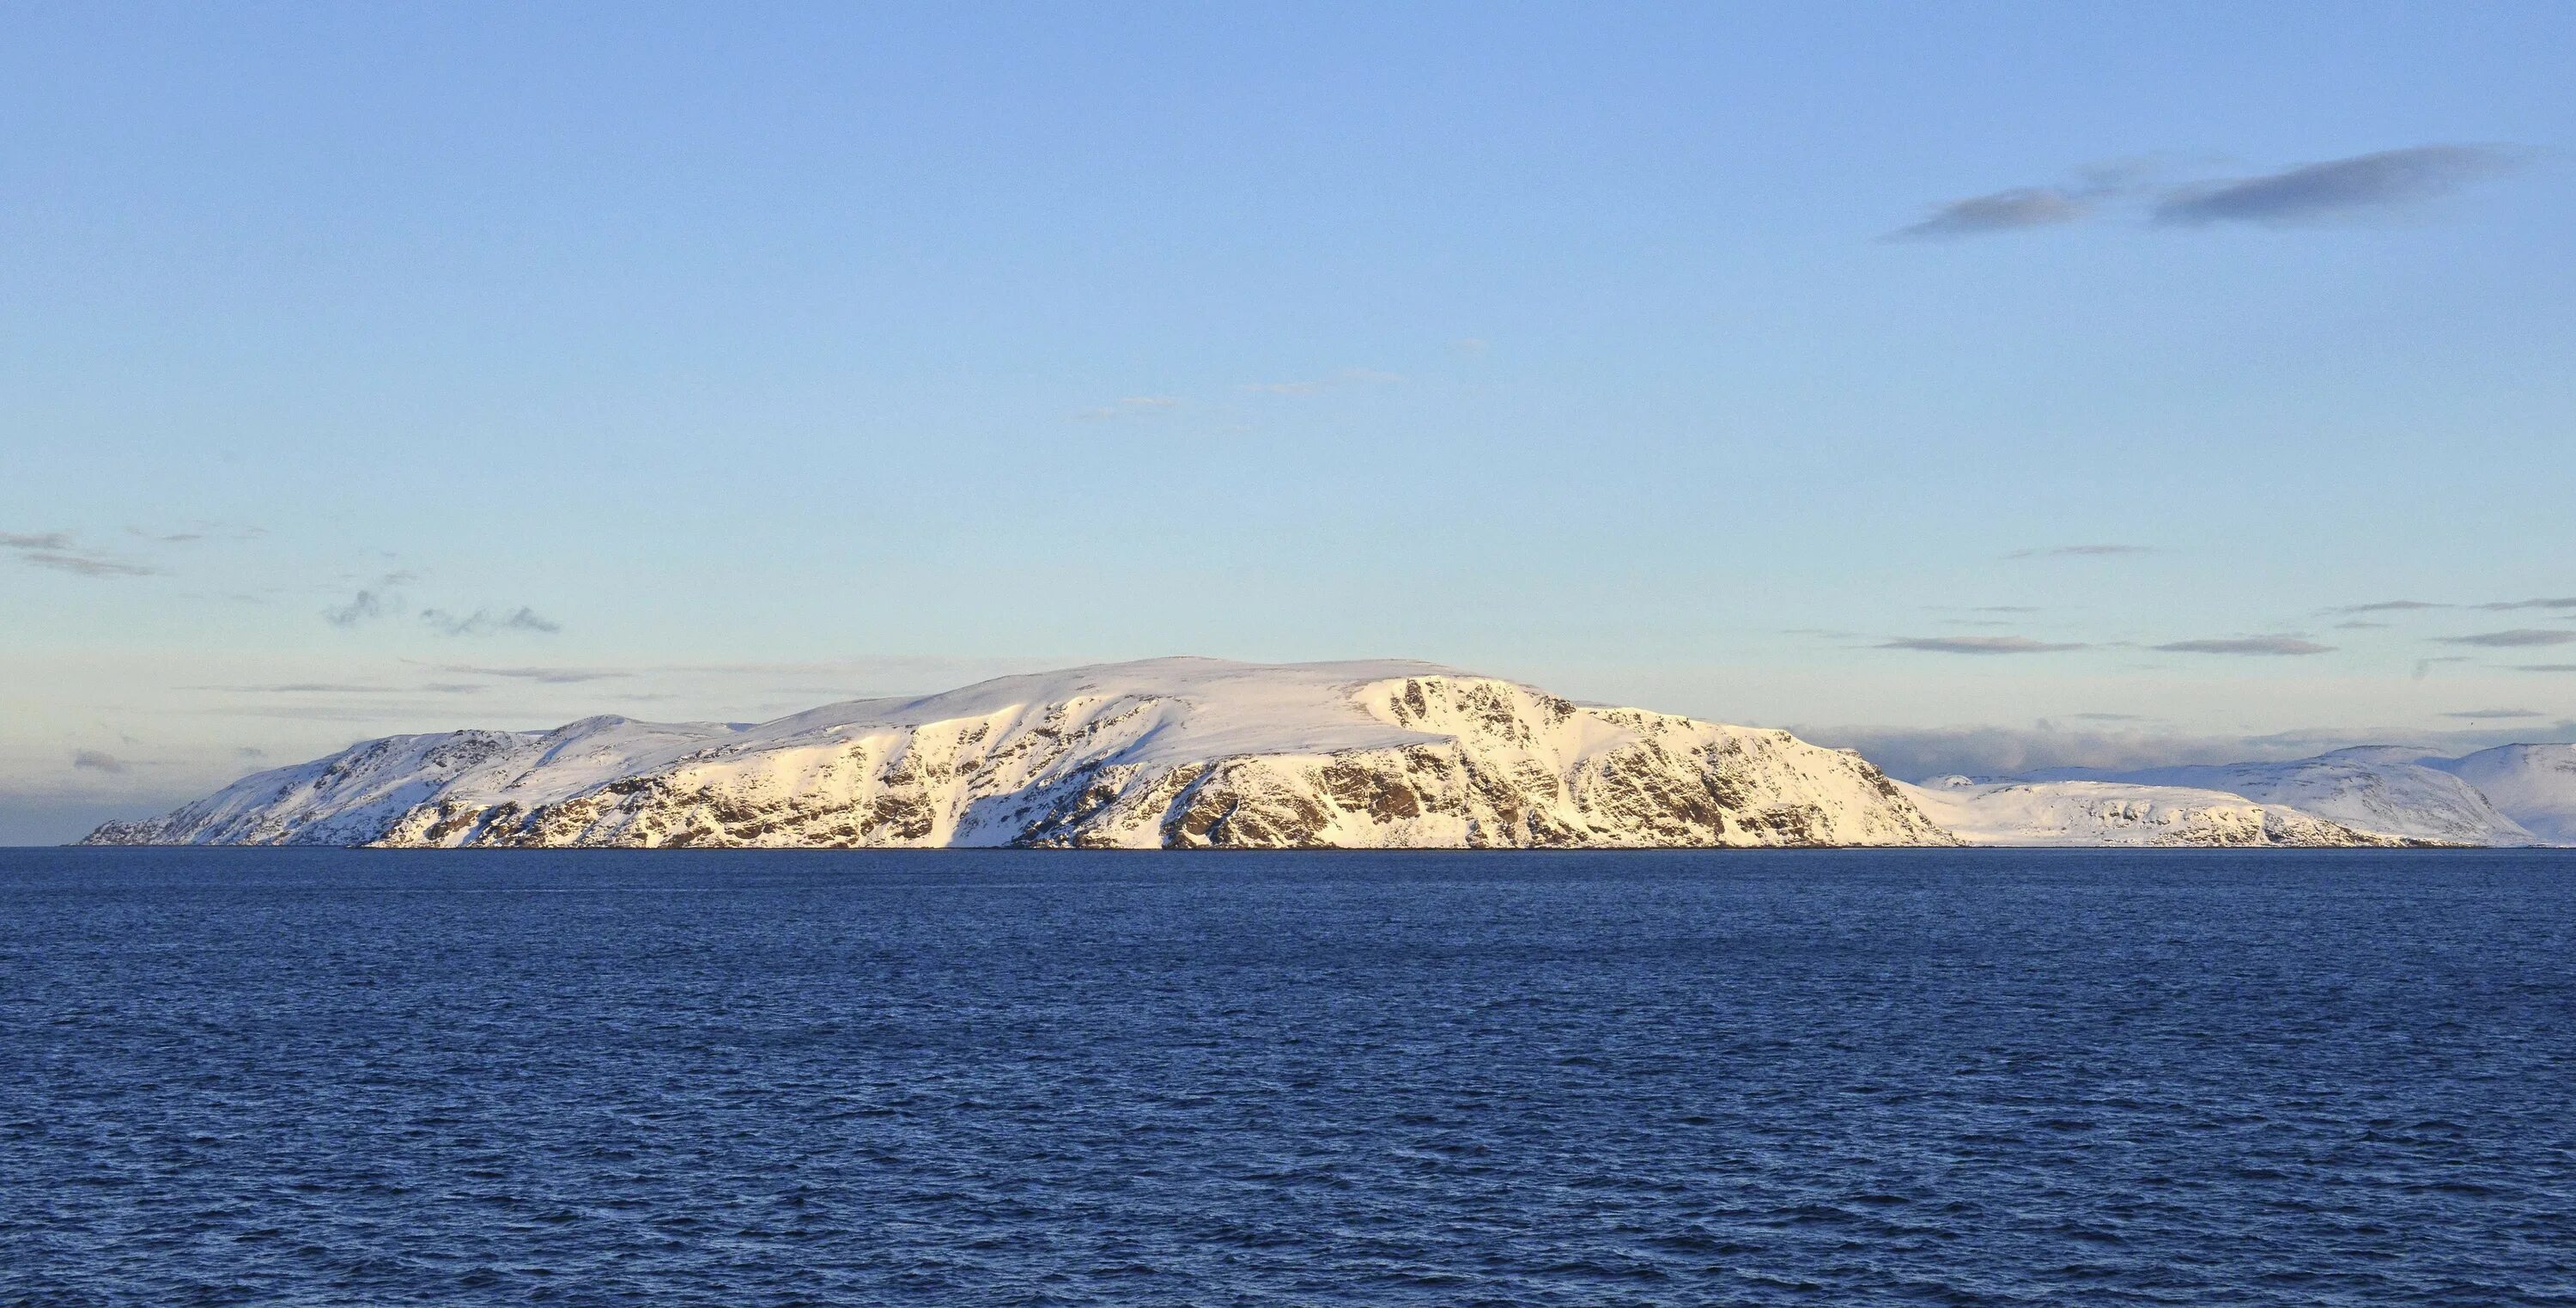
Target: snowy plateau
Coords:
[[1201, 753]]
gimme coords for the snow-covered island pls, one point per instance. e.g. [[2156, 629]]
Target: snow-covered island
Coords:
[[1202, 753]]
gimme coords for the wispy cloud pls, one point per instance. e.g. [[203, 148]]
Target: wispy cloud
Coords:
[[346, 688], [2545, 667], [365, 606], [2358, 624], [98, 761], [2505, 605], [2496, 713], [1918, 752], [544, 676], [1977, 645], [2518, 638], [58, 551], [2246, 645], [198, 532], [2018, 209], [2336, 188], [2354, 187], [2389, 606], [2080, 551], [486, 622]]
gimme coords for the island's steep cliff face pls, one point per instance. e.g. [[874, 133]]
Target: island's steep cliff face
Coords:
[[1172, 753]]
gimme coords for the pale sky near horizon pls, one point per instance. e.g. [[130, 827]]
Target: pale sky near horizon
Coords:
[[1980, 385]]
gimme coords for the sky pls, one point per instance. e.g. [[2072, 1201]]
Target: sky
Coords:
[[1984, 386]]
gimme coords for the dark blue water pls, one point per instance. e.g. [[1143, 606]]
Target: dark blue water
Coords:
[[327, 1077]]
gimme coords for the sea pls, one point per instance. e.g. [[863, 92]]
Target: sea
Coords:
[[349, 1077]]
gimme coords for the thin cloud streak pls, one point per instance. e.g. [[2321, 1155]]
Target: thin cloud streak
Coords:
[[2518, 638], [2335, 188], [543, 676], [2018, 209], [2390, 606], [1977, 645], [57, 551], [2252, 646], [486, 622], [1917, 753], [2364, 185]]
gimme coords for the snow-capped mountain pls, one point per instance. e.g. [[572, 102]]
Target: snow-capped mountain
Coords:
[[2386, 790], [2535, 785], [2119, 813], [1174, 753]]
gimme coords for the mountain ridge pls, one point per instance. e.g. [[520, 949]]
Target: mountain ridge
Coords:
[[1165, 753], [1191, 753]]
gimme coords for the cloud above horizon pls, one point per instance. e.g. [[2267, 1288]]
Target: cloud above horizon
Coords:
[[2273, 646], [1977, 645], [58, 551], [98, 761], [1916, 753], [2389, 606], [348, 688], [2335, 188], [365, 606], [542, 676], [2018, 209], [2356, 186], [2518, 638], [486, 622]]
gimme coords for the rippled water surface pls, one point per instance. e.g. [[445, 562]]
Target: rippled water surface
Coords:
[[346, 1077]]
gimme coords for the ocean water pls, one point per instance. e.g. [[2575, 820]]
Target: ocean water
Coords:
[[349, 1077]]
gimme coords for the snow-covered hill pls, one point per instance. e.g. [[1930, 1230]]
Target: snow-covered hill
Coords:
[[2383, 789], [2118, 813], [1164, 753], [2535, 785]]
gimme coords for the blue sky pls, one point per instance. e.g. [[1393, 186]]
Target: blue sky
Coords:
[[697, 361]]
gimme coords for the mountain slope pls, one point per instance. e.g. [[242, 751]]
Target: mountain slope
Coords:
[[2119, 813], [1165, 753], [2382, 789], [2535, 785]]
